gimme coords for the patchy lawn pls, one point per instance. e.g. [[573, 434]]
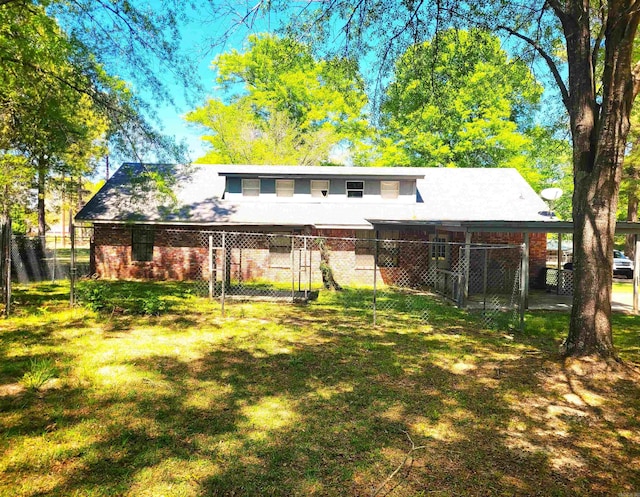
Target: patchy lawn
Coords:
[[287, 400]]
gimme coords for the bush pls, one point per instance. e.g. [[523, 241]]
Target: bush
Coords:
[[104, 297], [150, 305], [95, 296]]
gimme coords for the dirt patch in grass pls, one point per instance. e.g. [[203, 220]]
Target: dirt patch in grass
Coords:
[[311, 400]]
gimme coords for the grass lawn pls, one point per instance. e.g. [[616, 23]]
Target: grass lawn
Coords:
[[284, 400]]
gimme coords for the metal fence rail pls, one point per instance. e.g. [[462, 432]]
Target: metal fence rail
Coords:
[[382, 275]]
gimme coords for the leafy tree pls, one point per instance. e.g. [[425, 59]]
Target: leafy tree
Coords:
[[458, 100], [282, 105], [58, 102]]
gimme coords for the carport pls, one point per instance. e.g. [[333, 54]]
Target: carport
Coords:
[[560, 228], [526, 228]]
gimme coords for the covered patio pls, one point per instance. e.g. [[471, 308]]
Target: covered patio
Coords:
[[540, 299], [628, 301]]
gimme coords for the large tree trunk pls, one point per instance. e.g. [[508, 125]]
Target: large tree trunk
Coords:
[[599, 138]]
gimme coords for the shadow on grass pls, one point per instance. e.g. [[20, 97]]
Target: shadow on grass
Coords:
[[315, 400]]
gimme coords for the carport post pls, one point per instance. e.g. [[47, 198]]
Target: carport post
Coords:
[[559, 274], [524, 271], [525, 268], [636, 274], [72, 268], [224, 271], [467, 268], [212, 277]]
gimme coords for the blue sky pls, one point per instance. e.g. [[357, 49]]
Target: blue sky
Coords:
[[199, 42]]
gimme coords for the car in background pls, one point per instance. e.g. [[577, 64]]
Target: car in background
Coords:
[[622, 265]]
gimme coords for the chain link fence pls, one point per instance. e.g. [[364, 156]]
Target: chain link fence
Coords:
[[382, 276], [35, 259]]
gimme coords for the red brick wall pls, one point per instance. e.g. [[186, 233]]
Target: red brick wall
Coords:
[[182, 254]]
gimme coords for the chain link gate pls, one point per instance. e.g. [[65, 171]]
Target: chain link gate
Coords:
[[382, 276]]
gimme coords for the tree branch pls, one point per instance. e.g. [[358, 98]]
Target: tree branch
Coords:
[[552, 65], [400, 466]]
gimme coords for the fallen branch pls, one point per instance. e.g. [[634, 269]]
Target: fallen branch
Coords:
[[400, 466]]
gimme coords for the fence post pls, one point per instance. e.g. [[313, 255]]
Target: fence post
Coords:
[[636, 274], [292, 257], [484, 278], [5, 274], [55, 259], [72, 269], [524, 267], [211, 275], [467, 267], [224, 270], [375, 279]]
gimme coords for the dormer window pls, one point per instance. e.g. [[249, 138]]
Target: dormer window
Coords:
[[250, 187], [284, 187], [319, 187], [355, 189], [389, 189]]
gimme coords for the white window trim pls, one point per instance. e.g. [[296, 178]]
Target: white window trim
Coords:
[[285, 187], [317, 188], [347, 189], [439, 241], [251, 187]]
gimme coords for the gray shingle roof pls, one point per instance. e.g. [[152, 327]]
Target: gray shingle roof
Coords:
[[196, 197]]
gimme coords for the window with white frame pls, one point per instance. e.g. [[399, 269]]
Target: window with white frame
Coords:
[[389, 189], [250, 187], [284, 187], [319, 187], [440, 249], [355, 189]]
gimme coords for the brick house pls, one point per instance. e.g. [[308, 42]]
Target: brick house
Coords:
[[159, 230]]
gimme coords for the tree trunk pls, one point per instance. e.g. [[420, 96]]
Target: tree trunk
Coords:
[[599, 138], [328, 279]]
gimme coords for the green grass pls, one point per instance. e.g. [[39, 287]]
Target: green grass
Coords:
[[623, 287], [298, 400]]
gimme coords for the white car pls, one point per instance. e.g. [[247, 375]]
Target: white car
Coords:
[[622, 265]]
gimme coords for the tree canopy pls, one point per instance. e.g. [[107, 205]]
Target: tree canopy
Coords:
[[60, 105], [459, 100], [281, 105]]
